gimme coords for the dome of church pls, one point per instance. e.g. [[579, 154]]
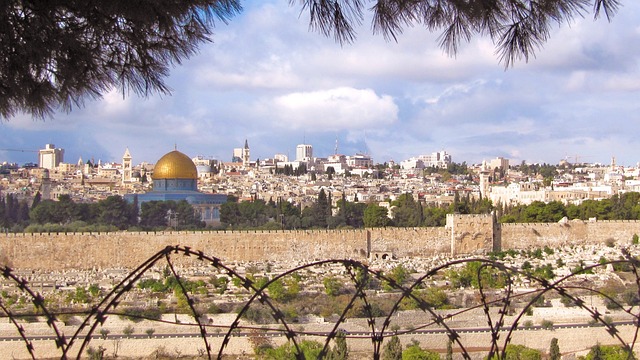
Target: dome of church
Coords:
[[175, 165]]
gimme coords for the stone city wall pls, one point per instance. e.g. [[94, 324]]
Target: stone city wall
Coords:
[[471, 234], [463, 235], [62, 251], [528, 236]]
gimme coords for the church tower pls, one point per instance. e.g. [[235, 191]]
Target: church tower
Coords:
[[245, 154], [127, 167]]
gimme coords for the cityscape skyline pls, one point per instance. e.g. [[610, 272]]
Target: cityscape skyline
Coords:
[[267, 78], [299, 154]]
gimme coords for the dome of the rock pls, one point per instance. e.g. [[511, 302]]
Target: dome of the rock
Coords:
[[175, 165], [175, 178]]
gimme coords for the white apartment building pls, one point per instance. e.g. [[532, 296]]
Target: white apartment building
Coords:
[[360, 161], [438, 159], [412, 163], [238, 153], [499, 163], [304, 152], [526, 193], [338, 167], [281, 157], [50, 157]]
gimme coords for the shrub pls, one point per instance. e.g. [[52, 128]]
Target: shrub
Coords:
[[128, 330], [332, 286], [96, 354]]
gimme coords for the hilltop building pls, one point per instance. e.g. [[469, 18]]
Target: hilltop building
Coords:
[[50, 157], [175, 177], [304, 152], [237, 155], [438, 159]]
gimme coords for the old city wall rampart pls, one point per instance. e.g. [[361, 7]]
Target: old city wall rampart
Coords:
[[61, 251], [535, 235], [463, 234]]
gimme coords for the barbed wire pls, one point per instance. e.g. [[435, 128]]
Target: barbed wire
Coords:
[[360, 274]]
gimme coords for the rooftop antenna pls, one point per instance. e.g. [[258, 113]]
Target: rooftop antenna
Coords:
[[336, 148], [366, 147]]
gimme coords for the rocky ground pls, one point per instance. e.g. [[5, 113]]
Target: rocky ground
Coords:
[[166, 338]]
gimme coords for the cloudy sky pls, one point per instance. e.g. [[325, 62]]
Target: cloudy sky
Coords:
[[268, 79]]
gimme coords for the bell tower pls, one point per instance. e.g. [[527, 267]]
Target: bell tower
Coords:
[[245, 154], [126, 167]]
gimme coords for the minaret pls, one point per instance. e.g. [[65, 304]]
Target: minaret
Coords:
[[45, 187], [245, 154], [126, 166]]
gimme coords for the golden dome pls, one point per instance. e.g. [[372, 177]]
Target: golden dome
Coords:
[[175, 165]]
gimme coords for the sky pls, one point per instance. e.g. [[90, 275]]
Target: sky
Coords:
[[268, 79]]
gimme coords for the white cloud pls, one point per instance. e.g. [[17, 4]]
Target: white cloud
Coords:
[[335, 109], [273, 72], [623, 83], [577, 80], [265, 73]]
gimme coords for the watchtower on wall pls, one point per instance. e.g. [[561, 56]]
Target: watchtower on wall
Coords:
[[472, 234]]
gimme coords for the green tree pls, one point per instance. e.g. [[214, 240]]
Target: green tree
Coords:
[[252, 213], [392, 349], [318, 213], [351, 213], [332, 286], [309, 349], [407, 212], [130, 48], [330, 172], [376, 216], [153, 214], [473, 273], [279, 292], [114, 210], [521, 352], [36, 199], [414, 352], [554, 350], [57, 53], [46, 212], [434, 216], [340, 350], [436, 298], [230, 213], [399, 274], [128, 330], [609, 352], [186, 215]]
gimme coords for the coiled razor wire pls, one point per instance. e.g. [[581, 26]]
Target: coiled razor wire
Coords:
[[77, 342]]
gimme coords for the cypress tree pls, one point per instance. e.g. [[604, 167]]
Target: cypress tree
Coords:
[[554, 350], [392, 349]]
